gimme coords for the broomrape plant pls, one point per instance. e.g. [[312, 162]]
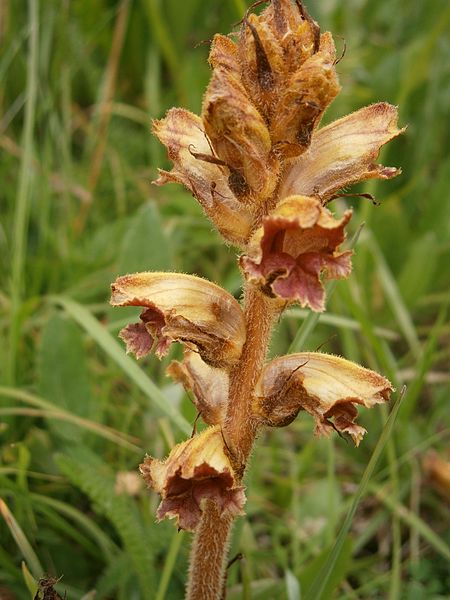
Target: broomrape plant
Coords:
[[264, 172]]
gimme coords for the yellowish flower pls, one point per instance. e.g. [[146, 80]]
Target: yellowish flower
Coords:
[[327, 387], [183, 308], [195, 471]]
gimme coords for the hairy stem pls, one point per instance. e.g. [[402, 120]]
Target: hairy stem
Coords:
[[240, 426], [208, 555], [210, 548]]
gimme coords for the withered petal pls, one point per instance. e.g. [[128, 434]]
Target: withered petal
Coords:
[[209, 386], [195, 471], [343, 153], [304, 98], [137, 338], [187, 309], [224, 54], [296, 246], [239, 137], [325, 386], [184, 136]]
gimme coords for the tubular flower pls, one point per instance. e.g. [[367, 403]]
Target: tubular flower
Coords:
[[327, 387], [208, 385], [195, 471], [297, 242], [182, 308]]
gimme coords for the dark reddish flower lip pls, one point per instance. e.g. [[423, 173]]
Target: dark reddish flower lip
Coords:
[[295, 249]]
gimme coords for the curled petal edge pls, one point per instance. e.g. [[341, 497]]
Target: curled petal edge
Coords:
[[196, 471], [328, 387], [183, 308]]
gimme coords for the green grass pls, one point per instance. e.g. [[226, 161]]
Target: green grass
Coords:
[[79, 84]]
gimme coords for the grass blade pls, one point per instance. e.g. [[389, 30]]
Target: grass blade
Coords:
[[316, 590], [413, 521], [21, 540], [19, 239], [394, 297], [50, 411], [105, 340], [169, 564]]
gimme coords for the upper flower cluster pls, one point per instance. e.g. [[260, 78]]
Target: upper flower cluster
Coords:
[[258, 163]]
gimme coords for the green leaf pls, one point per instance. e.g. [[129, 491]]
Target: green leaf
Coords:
[[63, 374], [292, 586], [96, 479], [145, 245], [340, 569]]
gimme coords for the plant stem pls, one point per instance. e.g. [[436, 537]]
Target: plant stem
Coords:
[[210, 547], [208, 555], [240, 426]]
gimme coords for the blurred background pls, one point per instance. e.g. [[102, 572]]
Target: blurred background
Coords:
[[79, 84]]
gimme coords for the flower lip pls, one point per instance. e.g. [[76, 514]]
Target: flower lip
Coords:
[[196, 471], [326, 386], [182, 308]]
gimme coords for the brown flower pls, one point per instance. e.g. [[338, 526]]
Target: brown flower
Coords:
[[195, 471], [208, 385], [195, 167], [296, 244], [183, 308], [327, 387]]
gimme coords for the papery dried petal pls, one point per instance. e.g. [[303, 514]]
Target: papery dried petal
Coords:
[[343, 153], [296, 244], [304, 99], [262, 63], [195, 471], [209, 386], [224, 54], [239, 137], [183, 134], [182, 308], [325, 386]]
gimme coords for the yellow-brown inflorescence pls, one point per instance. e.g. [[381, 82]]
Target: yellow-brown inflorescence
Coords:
[[264, 172]]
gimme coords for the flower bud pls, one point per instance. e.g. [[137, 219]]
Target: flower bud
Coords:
[[239, 137]]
